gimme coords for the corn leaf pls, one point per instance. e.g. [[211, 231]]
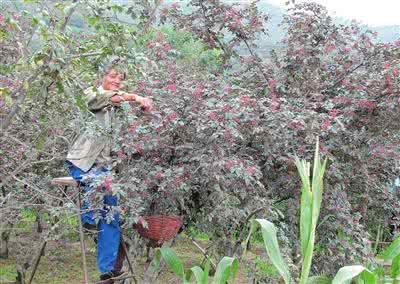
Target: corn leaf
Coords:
[[310, 208], [268, 231], [206, 272], [395, 268], [198, 275], [392, 251], [367, 277], [319, 280], [227, 268], [172, 260], [306, 204], [346, 274]]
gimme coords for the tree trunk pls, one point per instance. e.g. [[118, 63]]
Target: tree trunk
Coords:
[[5, 237], [20, 277], [38, 222]]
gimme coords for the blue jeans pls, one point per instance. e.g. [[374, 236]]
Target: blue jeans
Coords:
[[109, 235]]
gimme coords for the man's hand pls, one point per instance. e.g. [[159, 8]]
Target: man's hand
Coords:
[[117, 100], [147, 104]]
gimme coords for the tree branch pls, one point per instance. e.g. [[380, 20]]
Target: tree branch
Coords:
[[68, 16], [19, 100], [151, 18], [339, 80], [94, 53], [204, 252], [227, 53], [256, 57]]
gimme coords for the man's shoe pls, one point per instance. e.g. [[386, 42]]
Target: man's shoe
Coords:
[[105, 278], [109, 277]]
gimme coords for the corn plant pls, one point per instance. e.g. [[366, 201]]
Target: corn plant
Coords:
[[226, 269], [392, 254], [311, 198], [347, 274], [392, 251]]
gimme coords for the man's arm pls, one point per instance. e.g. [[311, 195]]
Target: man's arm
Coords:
[[121, 97], [144, 102], [96, 100]]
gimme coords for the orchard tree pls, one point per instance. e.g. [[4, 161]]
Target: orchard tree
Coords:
[[334, 81]]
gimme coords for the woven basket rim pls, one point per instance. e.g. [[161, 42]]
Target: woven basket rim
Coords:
[[163, 216], [163, 232]]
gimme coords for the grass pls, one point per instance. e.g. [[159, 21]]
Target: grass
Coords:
[[7, 272], [62, 263], [260, 268], [62, 260], [266, 269], [197, 234]]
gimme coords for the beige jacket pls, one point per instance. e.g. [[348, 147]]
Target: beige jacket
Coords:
[[88, 148]]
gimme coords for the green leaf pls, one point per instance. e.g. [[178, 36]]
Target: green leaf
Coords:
[[311, 199], [206, 271], [61, 39], [40, 141], [226, 269], [368, 277], [173, 261], [392, 251], [199, 274], [60, 87], [3, 35], [81, 102], [39, 57], [379, 271], [346, 274], [395, 268], [319, 280], [92, 20], [306, 205], [268, 231], [4, 93], [117, 8], [35, 21], [45, 13]]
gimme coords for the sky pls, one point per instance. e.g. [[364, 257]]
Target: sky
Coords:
[[370, 12]]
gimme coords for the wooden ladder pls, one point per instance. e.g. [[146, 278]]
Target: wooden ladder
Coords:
[[64, 183]]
